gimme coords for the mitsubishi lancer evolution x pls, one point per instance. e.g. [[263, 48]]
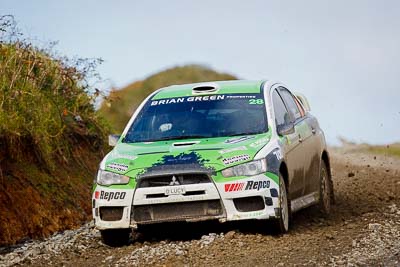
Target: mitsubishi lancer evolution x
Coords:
[[228, 150]]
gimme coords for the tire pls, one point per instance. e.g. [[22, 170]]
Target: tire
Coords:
[[115, 237], [326, 197], [283, 222]]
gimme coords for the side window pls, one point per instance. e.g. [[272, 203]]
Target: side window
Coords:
[[290, 103], [281, 113], [299, 105]]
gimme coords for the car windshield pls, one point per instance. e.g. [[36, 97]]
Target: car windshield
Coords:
[[204, 116]]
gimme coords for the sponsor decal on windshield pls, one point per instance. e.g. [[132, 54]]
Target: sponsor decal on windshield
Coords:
[[240, 96], [117, 167], [256, 101], [176, 100], [235, 159], [187, 99]]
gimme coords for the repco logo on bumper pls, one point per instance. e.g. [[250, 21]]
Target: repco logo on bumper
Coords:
[[109, 195], [249, 185]]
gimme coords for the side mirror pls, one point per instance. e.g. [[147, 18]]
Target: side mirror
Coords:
[[113, 139], [286, 129]]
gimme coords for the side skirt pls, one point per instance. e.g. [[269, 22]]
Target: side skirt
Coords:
[[304, 201]]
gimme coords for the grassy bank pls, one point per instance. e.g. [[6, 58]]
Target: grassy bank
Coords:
[[388, 150], [51, 138]]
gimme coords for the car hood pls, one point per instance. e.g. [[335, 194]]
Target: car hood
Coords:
[[207, 154]]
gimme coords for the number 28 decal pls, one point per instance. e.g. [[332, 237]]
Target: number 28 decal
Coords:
[[256, 101]]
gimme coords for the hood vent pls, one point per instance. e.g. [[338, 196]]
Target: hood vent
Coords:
[[186, 143], [205, 88]]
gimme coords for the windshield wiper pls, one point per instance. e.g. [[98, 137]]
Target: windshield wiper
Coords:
[[249, 133]]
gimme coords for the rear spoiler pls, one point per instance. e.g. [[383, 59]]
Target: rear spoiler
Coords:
[[303, 100]]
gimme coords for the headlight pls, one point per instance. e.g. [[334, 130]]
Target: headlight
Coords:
[[247, 169], [109, 178]]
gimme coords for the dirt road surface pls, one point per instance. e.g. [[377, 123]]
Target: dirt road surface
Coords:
[[364, 229]]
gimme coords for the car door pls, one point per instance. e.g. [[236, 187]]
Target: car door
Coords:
[[303, 129], [312, 176], [312, 147], [291, 147]]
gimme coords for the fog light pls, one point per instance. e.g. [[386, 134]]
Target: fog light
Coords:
[[268, 201]]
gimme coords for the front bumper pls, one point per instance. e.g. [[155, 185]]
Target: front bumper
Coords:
[[255, 197]]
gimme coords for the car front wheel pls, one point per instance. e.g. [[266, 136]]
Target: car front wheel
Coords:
[[282, 223], [325, 190]]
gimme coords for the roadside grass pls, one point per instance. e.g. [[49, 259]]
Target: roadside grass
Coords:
[[46, 105], [388, 150], [51, 137]]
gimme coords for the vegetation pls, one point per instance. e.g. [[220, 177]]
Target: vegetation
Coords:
[[45, 103], [121, 104], [51, 138], [388, 150]]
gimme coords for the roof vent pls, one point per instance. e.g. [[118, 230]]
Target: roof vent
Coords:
[[205, 88]]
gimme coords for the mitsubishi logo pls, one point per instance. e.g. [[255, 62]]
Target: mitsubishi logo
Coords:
[[174, 181]]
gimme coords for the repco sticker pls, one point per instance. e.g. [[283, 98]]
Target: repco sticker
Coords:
[[109, 195], [249, 185], [234, 159]]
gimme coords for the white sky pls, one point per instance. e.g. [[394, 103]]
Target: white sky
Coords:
[[343, 55]]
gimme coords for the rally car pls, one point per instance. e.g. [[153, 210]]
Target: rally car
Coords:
[[227, 150]]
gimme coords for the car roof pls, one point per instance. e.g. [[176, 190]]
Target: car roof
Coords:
[[220, 87]]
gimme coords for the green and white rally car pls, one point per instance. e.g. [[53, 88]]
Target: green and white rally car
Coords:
[[229, 150]]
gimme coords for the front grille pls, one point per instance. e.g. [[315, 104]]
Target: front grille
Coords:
[[176, 179], [189, 193], [245, 204], [179, 211], [111, 213]]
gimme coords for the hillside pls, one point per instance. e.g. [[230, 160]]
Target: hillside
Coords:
[[122, 103], [51, 139]]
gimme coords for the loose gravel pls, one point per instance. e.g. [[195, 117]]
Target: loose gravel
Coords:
[[364, 229], [379, 244]]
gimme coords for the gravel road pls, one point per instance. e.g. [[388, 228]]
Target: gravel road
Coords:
[[364, 229]]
